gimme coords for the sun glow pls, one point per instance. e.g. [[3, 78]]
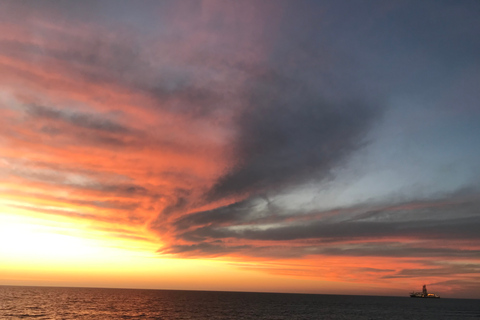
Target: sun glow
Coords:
[[36, 251], [33, 240], [44, 252]]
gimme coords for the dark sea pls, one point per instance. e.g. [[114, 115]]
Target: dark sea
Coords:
[[95, 303]]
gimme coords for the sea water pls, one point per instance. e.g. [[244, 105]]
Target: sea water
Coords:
[[96, 303]]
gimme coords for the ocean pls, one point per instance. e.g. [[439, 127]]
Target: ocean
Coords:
[[96, 303]]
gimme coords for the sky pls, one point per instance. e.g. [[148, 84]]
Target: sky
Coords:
[[287, 146]]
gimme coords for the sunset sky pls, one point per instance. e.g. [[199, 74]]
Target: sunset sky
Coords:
[[286, 146]]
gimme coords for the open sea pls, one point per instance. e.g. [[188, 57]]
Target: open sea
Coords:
[[95, 303]]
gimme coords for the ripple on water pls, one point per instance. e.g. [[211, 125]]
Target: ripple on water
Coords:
[[102, 304]]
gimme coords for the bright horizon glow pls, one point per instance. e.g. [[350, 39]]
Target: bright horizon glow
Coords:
[[47, 253]]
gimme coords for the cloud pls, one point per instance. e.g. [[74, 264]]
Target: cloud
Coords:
[[355, 231], [438, 271], [288, 133], [66, 213], [80, 119], [202, 249], [231, 214]]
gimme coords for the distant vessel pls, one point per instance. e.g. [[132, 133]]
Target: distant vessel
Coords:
[[423, 294]]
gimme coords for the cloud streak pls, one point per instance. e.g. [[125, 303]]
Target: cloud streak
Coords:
[[420, 222]]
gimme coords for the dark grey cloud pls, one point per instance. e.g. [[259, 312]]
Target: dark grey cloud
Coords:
[[231, 214], [452, 228], [194, 100], [71, 127], [299, 249], [65, 126], [79, 119], [288, 134], [453, 217]]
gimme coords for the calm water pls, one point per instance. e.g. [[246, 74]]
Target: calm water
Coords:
[[88, 303]]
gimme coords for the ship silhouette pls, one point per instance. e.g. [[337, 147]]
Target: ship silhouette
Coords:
[[423, 294]]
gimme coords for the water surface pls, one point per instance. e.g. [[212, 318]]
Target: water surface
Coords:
[[96, 303]]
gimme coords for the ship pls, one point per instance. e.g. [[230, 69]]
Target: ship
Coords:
[[423, 294]]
